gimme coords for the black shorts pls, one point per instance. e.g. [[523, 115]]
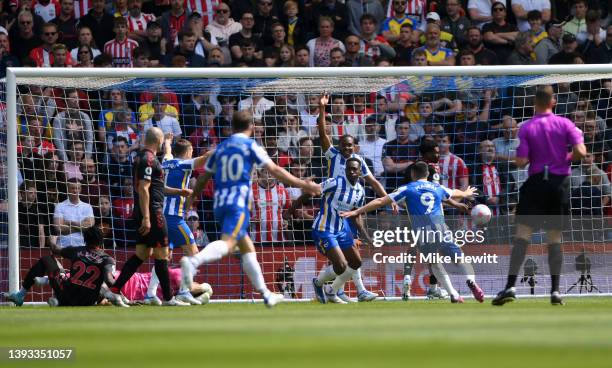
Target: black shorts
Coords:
[[544, 203], [158, 235]]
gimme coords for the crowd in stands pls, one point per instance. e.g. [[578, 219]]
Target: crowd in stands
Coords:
[[76, 146]]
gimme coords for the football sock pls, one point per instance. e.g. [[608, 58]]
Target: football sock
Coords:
[[38, 269], [129, 268], [358, 281], [468, 271], [161, 269], [325, 275], [517, 257], [432, 277], [555, 263], [153, 284], [409, 265], [444, 279], [342, 279], [253, 270], [211, 253]]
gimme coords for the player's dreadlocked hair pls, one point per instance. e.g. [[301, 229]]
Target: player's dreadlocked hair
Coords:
[[93, 237]]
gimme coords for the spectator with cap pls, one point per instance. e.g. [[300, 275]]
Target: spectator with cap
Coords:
[[357, 8], [483, 55], [499, 34], [523, 50], [601, 54], [193, 221], [447, 40], [372, 44], [455, 23], [436, 54], [551, 44], [99, 22], [521, 9], [569, 45]]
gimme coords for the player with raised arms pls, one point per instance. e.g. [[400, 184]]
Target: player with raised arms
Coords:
[[424, 201], [331, 234], [336, 161], [231, 165], [90, 267], [178, 165], [152, 234]]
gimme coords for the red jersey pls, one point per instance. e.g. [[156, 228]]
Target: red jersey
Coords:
[[452, 168], [269, 206], [121, 52]]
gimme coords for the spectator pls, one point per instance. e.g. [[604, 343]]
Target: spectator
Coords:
[[248, 52], [356, 114], [43, 55], [287, 56], [60, 56], [257, 104], [85, 39], [594, 36], [310, 158], [295, 25], [67, 24], [92, 190], [288, 140], [334, 9], [391, 27], [487, 178], [204, 41], [372, 146], [223, 27], [120, 8], [75, 155], [587, 169], [404, 46], [302, 56], [357, 8], [336, 57], [246, 32], [119, 165], [309, 115], [320, 47], [7, 60], [521, 9], [85, 57], [154, 43], [455, 23], [538, 33], [54, 176], [474, 128], [499, 35], [204, 136], [466, 58], [99, 22], [483, 55], [523, 50], [23, 39], [31, 219], [577, 25], [387, 116], [397, 156], [206, 9], [337, 119], [435, 53], [373, 45], [46, 9], [568, 50], [216, 57], [278, 38], [137, 20], [353, 54], [454, 173], [479, 11], [71, 217], [601, 54], [159, 119], [193, 221], [271, 144], [549, 45], [270, 200], [104, 220], [30, 162], [121, 48], [505, 146], [186, 48], [447, 40], [264, 18], [40, 143], [61, 132], [123, 205], [173, 21]]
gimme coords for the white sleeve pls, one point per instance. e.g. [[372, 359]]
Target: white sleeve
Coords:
[[261, 156]]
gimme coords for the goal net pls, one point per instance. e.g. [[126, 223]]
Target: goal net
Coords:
[[85, 128]]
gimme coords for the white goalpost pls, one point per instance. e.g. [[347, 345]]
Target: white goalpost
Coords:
[[471, 107]]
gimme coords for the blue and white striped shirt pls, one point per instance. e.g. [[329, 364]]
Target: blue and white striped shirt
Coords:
[[178, 173], [336, 164], [338, 195]]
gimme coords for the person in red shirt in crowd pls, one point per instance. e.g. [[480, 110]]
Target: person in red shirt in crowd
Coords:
[[121, 48], [43, 55], [270, 200], [453, 170], [204, 136], [372, 44], [137, 20]]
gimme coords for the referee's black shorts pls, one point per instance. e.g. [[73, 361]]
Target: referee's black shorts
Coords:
[[544, 203], [158, 235]]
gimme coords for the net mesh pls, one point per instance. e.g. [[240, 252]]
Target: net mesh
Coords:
[[91, 134]]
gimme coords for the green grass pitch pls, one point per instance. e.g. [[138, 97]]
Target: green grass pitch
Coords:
[[528, 333]]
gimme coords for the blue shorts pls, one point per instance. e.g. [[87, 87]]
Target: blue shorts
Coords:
[[349, 226], [324, 240], [179, 234], [234, 221]]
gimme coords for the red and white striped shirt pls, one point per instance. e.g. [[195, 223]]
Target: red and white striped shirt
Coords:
[[140, 23], [491, 184], [355, 117], [269, 205], [121, 52], [206, 8], [49, 11], [414, 7], [81, 8], [452, 168]]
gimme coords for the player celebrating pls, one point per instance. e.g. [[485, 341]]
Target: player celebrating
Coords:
[[90, 267], [424, 201], [544, 199], [231, 164], [178, 172], [152, 235], [336, 161], [331, 234]]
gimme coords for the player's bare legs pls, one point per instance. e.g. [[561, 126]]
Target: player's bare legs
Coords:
[[183, 294]]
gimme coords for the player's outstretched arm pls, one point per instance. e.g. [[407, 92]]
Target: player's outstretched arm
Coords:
[[380, 191], [579, 151], [358, 221], [285, 177], [200, 161], [168, 146], [178, 191], [299, 202], [325, 141], [461, 194], [370, 206], [198, 188]]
